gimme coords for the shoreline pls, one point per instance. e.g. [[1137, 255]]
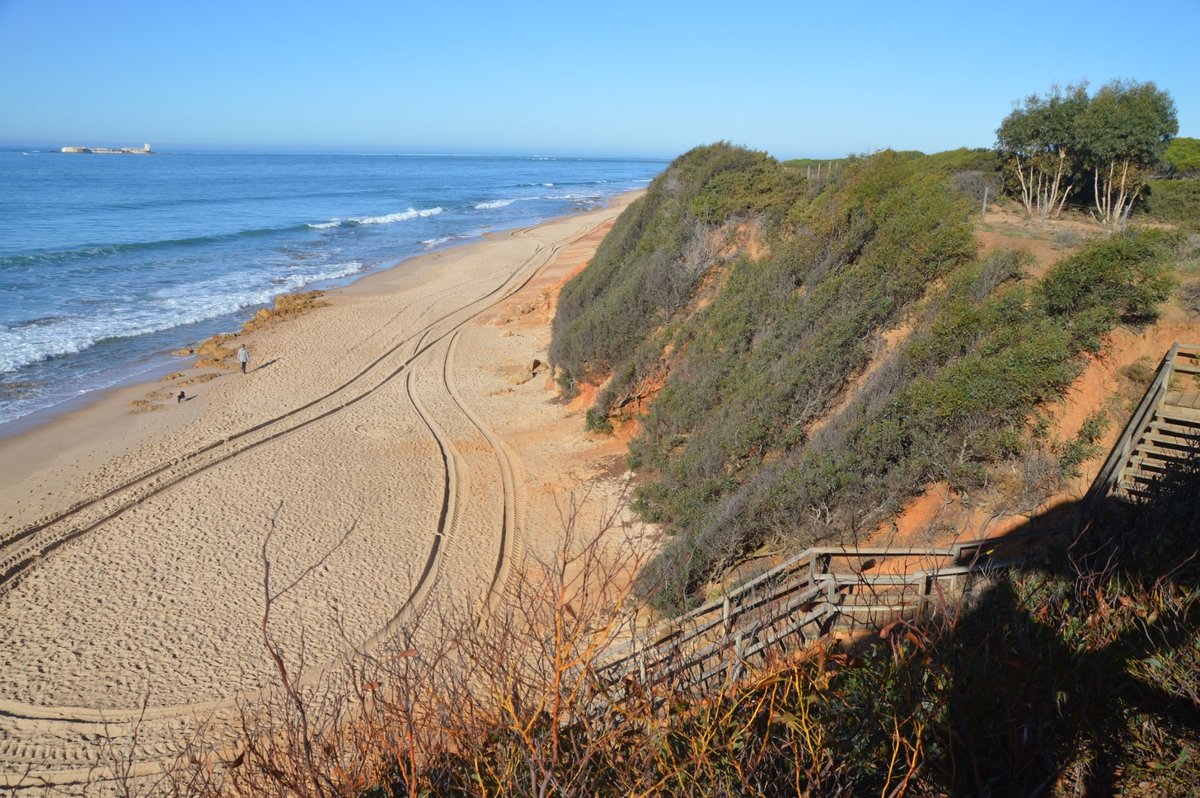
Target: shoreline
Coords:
[[150, 368], [151, 378]]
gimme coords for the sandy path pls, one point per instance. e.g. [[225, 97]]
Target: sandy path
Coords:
[[131, 550]]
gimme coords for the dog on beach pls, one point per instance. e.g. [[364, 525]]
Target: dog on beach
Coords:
[[180, 398]]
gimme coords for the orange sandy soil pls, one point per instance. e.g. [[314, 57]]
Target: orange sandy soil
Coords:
[[939, 515]]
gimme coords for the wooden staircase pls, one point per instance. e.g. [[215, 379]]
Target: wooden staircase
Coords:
[[827, 591], [1163, 431], [819, 593]]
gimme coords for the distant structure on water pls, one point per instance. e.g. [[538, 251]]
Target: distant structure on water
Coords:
[[143, 150]]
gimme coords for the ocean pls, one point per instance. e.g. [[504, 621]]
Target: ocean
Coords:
[[110, 262]]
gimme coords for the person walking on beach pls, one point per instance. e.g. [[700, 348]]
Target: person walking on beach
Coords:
[[243, 357]]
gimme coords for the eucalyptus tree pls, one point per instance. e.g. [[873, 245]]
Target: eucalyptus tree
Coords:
[[1040, 142], [1124, 131]]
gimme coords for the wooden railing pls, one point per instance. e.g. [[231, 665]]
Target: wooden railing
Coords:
[[814, 594], [1151, 402]]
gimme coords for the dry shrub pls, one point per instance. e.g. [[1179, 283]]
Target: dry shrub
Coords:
[[516, 702]]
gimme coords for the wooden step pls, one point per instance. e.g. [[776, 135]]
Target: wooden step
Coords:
[[1185, 368], [1186, 426], [1169, 444], [1147, 446], [870, 595], [1183, 398], [1169, 437], [1132, 491], [1179, 430], [859, 610], [1140, 479], [1161, 464], [1160, 452], [1141, 472], [1172, 413]]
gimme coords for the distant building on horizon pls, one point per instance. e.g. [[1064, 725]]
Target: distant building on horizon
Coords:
[[143, 150]]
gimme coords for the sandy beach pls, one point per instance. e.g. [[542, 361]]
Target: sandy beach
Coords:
[[406, 438]]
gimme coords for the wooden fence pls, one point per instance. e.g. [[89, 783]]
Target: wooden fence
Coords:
[[818, 592]]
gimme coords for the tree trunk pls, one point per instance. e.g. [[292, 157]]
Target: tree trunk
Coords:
[[1103, 187], [1062, 200], [1026, 198], [1055, 204], [1122, 193]]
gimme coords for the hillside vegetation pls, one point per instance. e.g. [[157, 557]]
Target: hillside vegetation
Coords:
[[753, 295]]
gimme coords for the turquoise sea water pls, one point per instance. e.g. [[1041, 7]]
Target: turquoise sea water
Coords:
[[108, 262]]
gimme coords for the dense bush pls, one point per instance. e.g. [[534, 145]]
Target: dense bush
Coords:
[[640, 276], [1176, 201], [1182, 158]]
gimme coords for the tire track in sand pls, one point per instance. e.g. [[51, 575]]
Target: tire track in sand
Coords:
[[22, 548], [42, 746], [513, 519]]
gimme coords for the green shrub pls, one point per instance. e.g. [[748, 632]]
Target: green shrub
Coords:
[[638, 278], [598, 421], [1123, 276], [1175, 201], [1182, 158]]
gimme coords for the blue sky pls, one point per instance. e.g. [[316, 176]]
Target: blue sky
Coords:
[[621, 78]]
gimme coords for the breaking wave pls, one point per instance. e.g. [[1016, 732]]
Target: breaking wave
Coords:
[[390, 218], [500, 203]]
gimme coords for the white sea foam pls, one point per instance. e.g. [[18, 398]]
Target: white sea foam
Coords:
[[185, 304], [325, 225], [332, 271], [487, 206]]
